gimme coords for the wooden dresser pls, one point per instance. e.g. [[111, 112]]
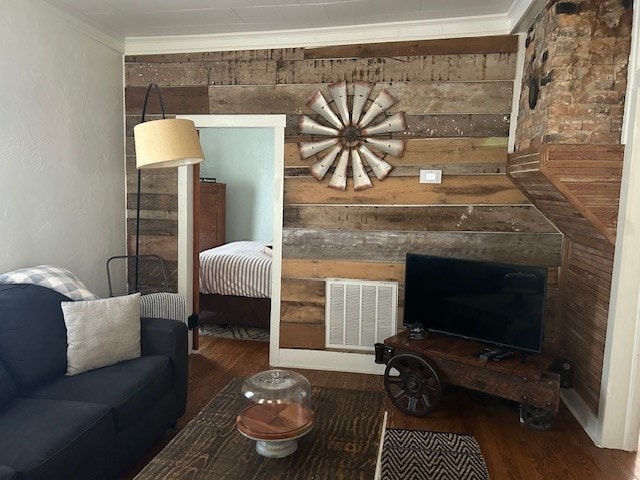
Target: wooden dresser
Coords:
[[212, 215]]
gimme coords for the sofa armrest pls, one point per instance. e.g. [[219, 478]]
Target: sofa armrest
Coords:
[[161, 336], [7, 473]]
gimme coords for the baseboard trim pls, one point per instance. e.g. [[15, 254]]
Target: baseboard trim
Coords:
[[582, 413], [329, 361]]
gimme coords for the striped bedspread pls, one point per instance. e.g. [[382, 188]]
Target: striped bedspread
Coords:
[[237, 268]]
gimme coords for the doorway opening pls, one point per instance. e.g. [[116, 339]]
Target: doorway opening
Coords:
[[240, 127]]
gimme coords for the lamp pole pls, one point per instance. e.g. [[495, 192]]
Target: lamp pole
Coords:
[[144, 113]]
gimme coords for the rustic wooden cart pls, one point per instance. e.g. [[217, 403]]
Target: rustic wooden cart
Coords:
[[417, 369]]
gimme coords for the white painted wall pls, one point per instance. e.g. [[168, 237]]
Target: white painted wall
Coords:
[[242, 158], [62, 178]]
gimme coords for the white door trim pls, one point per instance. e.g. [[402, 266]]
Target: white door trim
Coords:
[[185, 212]]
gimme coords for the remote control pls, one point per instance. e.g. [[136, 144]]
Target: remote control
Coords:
[[484, 350], [490, 354], [503, 355]]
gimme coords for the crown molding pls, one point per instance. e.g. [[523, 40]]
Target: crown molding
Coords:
[[522, 14], [318, 37], [81, 25], [518, 18]]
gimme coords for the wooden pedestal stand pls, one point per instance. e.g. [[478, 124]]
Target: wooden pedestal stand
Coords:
[[276, 427], [416, 369]]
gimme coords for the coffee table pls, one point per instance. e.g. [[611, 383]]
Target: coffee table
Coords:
[[343, 442]]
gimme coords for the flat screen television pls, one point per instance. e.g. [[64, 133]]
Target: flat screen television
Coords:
[[489, 302]]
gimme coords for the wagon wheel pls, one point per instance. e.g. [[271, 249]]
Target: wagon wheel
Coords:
[[412, 384], [536, 417]]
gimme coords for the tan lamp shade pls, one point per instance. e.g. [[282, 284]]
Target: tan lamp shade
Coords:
[[171, 142]]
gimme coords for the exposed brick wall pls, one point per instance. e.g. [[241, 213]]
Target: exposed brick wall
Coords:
[[580, 60]]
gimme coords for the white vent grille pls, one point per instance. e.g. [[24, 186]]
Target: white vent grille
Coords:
[[360, 313]]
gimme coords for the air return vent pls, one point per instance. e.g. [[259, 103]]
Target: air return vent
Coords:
[[360, 313]]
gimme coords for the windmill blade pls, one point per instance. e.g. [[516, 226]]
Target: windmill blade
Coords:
[[307, 149], [321, 167], [377, 164], [361, 180], [391, 146], [361, 93], [394, 123], [382, 103], [319, 105], [310, 126], [339, 94], [339, 178]]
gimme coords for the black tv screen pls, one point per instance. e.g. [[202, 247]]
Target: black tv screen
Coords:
[[490, 302]]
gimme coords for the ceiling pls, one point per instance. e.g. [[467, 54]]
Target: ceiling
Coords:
[[159, 18]]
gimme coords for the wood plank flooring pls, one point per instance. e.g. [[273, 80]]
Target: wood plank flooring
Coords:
[[511, 450]]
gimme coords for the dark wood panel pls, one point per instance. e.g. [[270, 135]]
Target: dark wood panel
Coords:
[[500, 218], [154, 227], [154, 202], [164, 246], [163, 182], [479, 45], [585, 315], [174, 74], [210, 218], [524, 248], [177, 100]]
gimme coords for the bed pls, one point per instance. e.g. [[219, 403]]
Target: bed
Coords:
[[235, 284]]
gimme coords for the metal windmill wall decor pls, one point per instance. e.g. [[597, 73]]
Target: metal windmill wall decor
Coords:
[[352, 134]]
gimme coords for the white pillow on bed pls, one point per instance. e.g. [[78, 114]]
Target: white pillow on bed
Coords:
[[267, 250]]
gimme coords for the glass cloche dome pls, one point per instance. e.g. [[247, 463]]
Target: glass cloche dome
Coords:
[[276, 411]]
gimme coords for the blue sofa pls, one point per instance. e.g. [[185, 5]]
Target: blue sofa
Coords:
[[86, 426]]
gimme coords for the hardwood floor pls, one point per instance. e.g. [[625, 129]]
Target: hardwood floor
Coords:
[[512, 450]]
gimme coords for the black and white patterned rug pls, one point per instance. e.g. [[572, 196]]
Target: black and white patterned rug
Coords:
[[231, 331], [419, 455]]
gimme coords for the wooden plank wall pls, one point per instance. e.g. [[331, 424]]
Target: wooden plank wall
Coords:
[[577, 187], [456, 97]]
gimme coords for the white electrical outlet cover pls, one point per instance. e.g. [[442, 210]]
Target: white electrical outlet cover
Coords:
[[430, 176]]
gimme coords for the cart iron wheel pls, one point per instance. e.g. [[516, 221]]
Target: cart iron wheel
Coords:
[[412, 384], [536, 417]]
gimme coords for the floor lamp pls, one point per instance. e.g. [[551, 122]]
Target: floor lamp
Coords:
[[162, 143]]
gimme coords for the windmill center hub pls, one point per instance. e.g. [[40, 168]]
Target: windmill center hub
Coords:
[[351, 136]]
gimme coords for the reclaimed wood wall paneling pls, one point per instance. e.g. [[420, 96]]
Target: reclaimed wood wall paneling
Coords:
[[458, 190], [458, 121], [536, 249], [480, 45], [448, 218]]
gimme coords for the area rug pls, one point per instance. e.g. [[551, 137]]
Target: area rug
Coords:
[[243, 333], [420, 455], [343, 444]]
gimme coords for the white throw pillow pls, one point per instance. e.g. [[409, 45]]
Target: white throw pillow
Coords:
[[101, 332]]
